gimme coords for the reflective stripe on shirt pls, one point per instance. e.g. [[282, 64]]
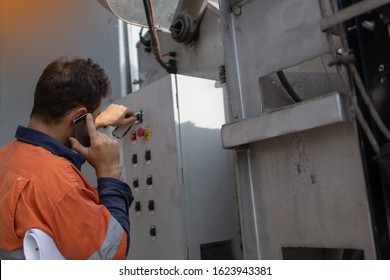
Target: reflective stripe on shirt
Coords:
[[15, 255], [111, 242]]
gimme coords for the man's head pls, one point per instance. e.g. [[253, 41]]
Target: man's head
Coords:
[[66, 84]]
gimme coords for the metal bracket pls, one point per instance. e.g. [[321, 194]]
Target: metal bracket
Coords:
[[327, 109]]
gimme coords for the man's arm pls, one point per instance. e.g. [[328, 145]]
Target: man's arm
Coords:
[[117, 197], [116, 115], [103, 155]]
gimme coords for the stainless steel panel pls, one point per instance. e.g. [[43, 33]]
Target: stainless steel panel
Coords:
[[273, 26], [201, 60], [309, 191], [262, 37], [300, 178]]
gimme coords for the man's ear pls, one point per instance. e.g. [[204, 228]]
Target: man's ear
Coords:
[[78, 112]]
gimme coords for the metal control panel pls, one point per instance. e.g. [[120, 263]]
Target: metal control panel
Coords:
[[181, 177]]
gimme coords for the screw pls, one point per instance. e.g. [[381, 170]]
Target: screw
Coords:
[[369, 25], [237, 10]]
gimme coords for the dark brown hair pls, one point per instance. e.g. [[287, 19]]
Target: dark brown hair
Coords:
[[66, 83]]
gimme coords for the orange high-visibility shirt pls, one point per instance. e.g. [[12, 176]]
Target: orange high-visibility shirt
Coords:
[[39, 189]]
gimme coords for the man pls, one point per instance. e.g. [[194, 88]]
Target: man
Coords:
[[41, 184]]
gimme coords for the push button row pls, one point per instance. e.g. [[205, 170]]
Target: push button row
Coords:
[[149, 182], [151, 207], [147, 157]]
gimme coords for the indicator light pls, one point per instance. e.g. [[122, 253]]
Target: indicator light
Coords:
[[133, 136]]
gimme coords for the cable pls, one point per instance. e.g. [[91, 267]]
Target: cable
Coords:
[[155, 44], [371, 108], [352, 96]]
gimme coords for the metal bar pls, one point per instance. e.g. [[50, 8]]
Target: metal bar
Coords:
[[329, 109], [351, 12], [124, 62]]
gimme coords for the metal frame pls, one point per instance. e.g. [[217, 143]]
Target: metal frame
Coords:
[[351, 12]]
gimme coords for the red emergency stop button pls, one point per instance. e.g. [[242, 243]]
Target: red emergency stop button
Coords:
[[140, 132], [144, 132]]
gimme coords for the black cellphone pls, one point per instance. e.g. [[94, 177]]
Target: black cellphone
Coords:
[[81, 131], [120, 131]]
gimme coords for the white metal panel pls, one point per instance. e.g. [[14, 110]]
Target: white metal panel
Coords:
[[193, 176]]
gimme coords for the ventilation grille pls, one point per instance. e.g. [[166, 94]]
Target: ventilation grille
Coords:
[[307, 80], [222, 250], [304, 253]]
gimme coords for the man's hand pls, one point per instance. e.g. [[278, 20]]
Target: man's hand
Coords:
[[103, 154], [116, 115]]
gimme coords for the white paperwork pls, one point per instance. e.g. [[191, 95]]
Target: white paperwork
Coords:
[[38, 245]]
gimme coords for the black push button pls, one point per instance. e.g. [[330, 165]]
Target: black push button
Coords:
[[149, 180], [148, 155], [134, 159], [151, 205], [135, 183], [140, 116], [137, 206], [152, 231]]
